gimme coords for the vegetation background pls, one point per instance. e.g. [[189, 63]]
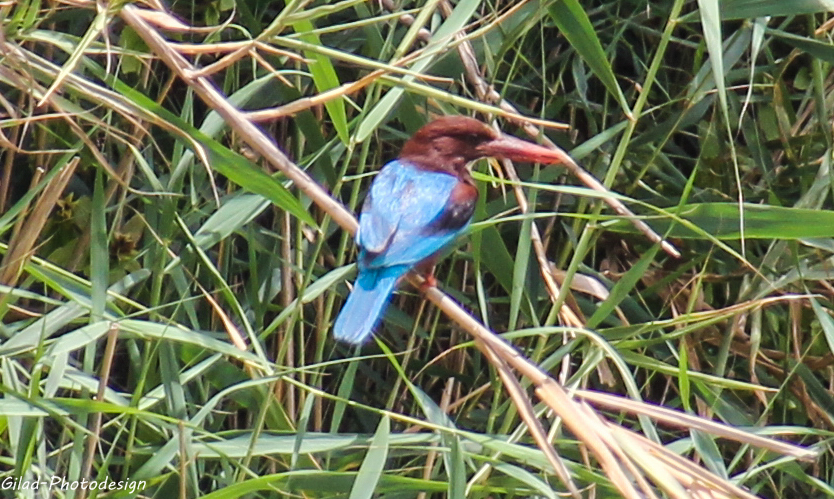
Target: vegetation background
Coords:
[[142, 243]]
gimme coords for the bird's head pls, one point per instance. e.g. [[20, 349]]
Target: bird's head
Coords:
[[450, 143]]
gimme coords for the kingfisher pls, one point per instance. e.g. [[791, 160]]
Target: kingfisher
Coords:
[[418, 205]]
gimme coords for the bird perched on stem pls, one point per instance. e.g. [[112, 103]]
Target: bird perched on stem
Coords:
[[418, 204]]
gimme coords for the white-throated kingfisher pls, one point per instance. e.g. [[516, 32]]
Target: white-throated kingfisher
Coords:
[[419, 204]]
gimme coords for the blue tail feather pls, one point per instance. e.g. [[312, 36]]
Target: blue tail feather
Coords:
[[364, 307]]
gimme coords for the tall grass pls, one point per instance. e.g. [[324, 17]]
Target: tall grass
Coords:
[[166, 292]]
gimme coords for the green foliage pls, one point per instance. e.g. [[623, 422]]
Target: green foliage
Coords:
[[143, 242]]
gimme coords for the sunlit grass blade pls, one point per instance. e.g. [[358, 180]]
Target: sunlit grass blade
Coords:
[[721, 221], [747, 9]]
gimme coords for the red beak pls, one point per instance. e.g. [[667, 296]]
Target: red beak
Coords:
[[515, 149]]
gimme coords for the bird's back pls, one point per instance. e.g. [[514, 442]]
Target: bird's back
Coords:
[[395, 227]]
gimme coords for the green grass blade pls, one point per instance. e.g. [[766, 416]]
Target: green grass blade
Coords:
[[721, 221], [367, 479], [746, 9], [574, 23], [325, 78]]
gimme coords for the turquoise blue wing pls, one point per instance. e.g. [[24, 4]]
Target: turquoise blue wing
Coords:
[[397, 225]]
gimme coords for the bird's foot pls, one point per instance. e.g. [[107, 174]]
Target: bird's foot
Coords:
[[428, 282], [426, 269]]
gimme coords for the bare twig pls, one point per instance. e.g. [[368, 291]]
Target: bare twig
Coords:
[[528, 414], [95, 428], [683, 420]]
